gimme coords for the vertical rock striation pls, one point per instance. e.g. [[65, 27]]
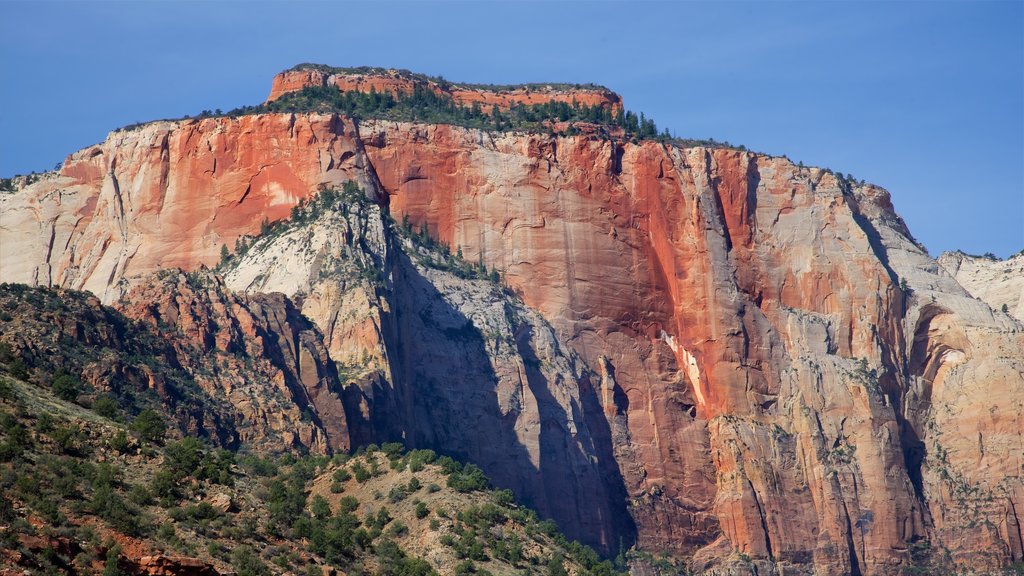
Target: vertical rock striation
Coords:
[[714, 353]]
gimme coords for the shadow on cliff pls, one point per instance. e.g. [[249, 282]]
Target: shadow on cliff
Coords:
[[444, 395], [619, 532]]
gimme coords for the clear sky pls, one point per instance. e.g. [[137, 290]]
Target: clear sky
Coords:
[[923, 98]]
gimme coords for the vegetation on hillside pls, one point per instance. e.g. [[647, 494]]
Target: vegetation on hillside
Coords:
[[426, 250], [77, 490]]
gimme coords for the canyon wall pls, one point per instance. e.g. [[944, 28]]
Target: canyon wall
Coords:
[[759, 360]]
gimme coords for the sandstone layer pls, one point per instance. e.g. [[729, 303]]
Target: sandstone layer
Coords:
[[995, 282], [717, 354], [402, 82]]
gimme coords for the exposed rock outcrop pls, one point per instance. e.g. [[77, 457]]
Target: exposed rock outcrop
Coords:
[[995, 282], [271, 363], [718, 353], [172, 566], [453, 363], [403, 82]]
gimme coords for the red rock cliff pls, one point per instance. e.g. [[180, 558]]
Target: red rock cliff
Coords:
[[395, 81], [783, 373]]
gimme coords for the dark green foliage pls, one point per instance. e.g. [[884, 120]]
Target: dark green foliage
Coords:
[[181, 458], [149, 425], [190, 457], [66, 387], [16, 438], [107, 503], [361, 473], [287, 499], [256, 466], [421, 510], [394, 562], [164, 486], [320, 508], [247, 563], [556, 566], [335, 536], [119, 443], [201, 511], [67, 439], [468, 479], [397, 494], [504, 497], [106, 406], [18, 369], [111, 566]]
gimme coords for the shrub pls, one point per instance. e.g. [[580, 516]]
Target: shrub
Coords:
[[257, 466], [67, 439], [119, 443], [469, 479], [66, 387], [555, 566], [391, 450], [397, 494], [108, 504], [149, 425], [398, 529], [106, 406], [362, 474], [418, 458], [111, 565], [182, 458], [421, 510], [504, 497], [246, 563]]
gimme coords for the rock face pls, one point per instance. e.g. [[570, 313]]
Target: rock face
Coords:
[[266, 350], [167, 195], [403, 82], [716, 353], [435, 357], [172, 566], [995, 282]]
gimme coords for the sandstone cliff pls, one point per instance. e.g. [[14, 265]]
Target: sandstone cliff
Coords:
[[717, 353], [401, 81], [995, 282]]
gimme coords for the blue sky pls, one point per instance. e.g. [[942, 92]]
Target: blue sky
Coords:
[[923, 98]]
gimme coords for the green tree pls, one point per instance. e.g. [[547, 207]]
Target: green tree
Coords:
[[555, 566], [106, 406], [66, 387], [149, 426]]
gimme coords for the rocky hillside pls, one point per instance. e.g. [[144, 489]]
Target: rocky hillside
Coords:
[[998, 283], [687, 349], [84, 493]]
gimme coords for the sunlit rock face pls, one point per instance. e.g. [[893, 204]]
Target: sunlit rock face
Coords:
[[712, 353]]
